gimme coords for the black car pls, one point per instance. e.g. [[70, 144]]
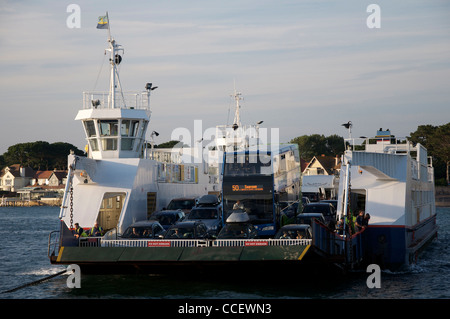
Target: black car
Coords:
[[238, 231], [294, 231], [210, 216], [168, 218], [307, 218], [331, 201], [187, 230], [183, 203], [326, 209], [143, 230]]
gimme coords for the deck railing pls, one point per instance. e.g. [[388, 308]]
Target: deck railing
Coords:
[[98, 242], [126, 100]]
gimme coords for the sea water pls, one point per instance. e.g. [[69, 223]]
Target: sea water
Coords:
[[23, 259]]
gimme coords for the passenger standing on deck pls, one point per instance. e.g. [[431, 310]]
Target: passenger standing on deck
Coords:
[[359, 221], [366, 220], [96, 231], [79, 232]]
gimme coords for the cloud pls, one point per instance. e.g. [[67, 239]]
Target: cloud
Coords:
[[302, 66]]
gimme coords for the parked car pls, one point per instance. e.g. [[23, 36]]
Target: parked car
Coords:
[[187, 230], [307, 218], [210, 216], [326, 209], [168, 218], [331, 201], [144, 229], [183, 203], [208, 211], [238, 226], [290, 208], [294, 231]]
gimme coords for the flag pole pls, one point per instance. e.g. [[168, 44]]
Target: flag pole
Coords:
[[109, 30]]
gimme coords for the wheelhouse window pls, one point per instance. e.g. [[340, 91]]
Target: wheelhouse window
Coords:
[[90, 129], [91, 134], [128, 132], [107, 129]]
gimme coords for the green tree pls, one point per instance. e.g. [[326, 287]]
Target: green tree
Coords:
[[440, 142], [40, 155], [436, 139], [313, 145], [169, 144]]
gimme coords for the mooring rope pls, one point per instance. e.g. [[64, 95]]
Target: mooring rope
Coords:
[[35, 282]]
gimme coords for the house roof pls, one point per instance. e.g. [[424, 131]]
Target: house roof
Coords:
[[15, 170], [43, 174], [47, 174], [327, 162]]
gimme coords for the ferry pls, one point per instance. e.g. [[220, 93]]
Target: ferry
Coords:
[[392, 180], [121, 182]]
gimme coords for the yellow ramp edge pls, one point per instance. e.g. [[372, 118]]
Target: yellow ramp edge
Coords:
[[304, 252], [60, 254]]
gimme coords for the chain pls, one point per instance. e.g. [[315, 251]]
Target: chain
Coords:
[[71, 191], [71, 206]]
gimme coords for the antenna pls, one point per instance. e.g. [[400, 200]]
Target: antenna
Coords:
[[237, 118], [348, 126], [114, 59]]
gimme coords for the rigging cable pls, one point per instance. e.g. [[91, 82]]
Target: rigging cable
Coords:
[[99, 72]]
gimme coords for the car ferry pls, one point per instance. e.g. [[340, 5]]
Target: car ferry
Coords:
[[121, 182]]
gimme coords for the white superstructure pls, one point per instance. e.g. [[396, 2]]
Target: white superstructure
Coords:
[[391, 179], [121, 181]]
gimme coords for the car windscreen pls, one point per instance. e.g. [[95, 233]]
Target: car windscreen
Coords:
[[231, 231], [323, 209], [164, 219], [180, 233], [181, 204], [292, 234], [138, 232], [203, 214]]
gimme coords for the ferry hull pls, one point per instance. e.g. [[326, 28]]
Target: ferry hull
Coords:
[[395, 246], [172, 260]]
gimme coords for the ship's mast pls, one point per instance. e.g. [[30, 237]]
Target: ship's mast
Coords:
[[114, 59], [237, 119]]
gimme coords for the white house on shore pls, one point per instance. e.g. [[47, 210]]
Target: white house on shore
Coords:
[[15, 177], [30, 184]]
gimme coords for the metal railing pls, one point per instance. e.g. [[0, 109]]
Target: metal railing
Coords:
[[98, 242], [53, 243], [127, 100]]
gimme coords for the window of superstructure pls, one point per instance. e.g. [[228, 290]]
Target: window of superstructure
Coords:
[[90, 128], [108, 127], [125, 128]]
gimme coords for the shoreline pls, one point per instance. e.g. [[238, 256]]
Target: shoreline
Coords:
[[8, 202]]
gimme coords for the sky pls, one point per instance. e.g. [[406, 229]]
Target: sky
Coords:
[[304, 67]]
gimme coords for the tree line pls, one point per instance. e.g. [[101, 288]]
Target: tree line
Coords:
[[39, 155], [42, 155]]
